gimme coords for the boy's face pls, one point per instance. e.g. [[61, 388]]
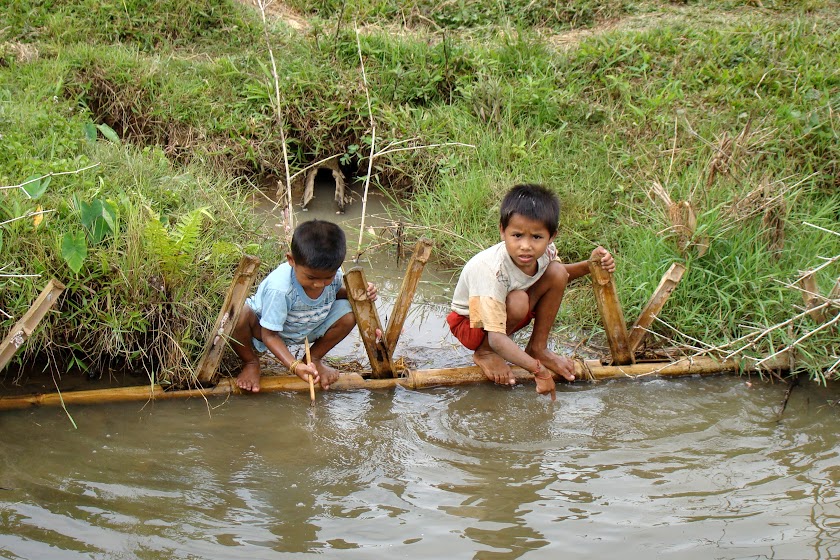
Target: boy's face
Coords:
[[313, 280], [525, 240]]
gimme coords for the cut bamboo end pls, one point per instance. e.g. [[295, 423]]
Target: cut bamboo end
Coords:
[[367, 319], [611, 313], [669, 282], [214, 349], [27, 324], [422, 252]]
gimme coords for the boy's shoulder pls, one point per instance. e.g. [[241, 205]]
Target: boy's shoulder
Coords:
[[280, 277]]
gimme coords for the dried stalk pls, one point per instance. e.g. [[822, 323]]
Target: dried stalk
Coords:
[[51, 174], [278, 113], [372, 143]]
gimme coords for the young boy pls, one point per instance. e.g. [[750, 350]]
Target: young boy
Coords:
[[301, 299], [502, 288]]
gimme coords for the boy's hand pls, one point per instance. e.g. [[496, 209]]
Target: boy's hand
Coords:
[[606, 259], [545, 385], [304, 370], [371, 291]]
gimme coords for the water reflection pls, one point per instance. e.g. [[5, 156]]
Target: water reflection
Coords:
[[694, 468]]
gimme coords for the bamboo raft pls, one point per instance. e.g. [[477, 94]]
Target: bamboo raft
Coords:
[[625, 362]]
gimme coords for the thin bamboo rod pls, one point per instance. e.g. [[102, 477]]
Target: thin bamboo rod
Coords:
[[24, 328], [422, 251], [657, 301], [591, 370], [611, 313], [214, 349], [367, 319]]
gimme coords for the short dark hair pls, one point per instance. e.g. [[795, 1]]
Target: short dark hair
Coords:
[[319, 245], [534, 202]]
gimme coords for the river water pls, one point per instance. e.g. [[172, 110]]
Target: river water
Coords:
[[678, 468]]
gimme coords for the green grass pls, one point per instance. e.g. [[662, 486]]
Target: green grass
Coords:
[[708, 100]]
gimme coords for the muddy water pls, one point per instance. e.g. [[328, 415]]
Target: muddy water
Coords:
[[683, 468]]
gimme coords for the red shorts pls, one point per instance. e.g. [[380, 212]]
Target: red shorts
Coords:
[[472, 337]]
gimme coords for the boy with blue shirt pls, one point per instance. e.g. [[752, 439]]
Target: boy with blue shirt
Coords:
[[301, 299]]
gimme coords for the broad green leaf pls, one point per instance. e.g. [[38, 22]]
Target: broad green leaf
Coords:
[[90, 131], [36, 189], [109, 214], [108, 133], [74, 250], [98, 218], [1, 240]]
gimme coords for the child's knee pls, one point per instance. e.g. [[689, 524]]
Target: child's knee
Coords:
[[517, 306], [557, 275]]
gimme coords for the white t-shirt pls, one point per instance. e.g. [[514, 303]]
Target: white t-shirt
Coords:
[[486, 281]]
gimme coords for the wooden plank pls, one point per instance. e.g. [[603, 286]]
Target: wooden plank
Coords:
[[24, 328], [243, 279], [422, 251], [611, 313], [367, 319], [666, 286], [591, 370]]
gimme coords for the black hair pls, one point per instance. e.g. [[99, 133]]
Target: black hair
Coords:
[[534, 202], [319, 245]]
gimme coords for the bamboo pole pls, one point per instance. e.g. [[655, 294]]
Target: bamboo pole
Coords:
[[311, 379], [367, 319], [611, 313], [243, 279], [422, 251], [666, 286], [591, 370], [24, 328]]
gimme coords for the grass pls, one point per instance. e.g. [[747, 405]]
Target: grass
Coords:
[[729, 107]]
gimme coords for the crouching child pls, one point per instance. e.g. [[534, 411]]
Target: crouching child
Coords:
[[303, 298], [503, 288]]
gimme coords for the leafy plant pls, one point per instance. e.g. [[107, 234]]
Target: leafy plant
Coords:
[[174, 250]]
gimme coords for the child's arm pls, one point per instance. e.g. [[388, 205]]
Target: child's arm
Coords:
[[274, 343], [578, 269], [505, 347]]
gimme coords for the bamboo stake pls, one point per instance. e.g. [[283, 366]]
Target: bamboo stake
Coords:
[[420, 379], [311, 381], [611, 313], [418, 261], [367, 319], [243, 279], [24, 328], [666, 286]]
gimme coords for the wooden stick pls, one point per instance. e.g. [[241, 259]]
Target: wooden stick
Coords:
[[214, 349], [418, 261], [311, 381], [611, 313], [666, 286], [24, 328], [420, 379], [367, 318]]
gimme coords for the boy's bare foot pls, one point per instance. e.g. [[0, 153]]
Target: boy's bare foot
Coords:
[[495, 368], [249, 378], [559, 365], [328, 374]]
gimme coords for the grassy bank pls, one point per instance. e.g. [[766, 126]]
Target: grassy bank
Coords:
[[729, 108]]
